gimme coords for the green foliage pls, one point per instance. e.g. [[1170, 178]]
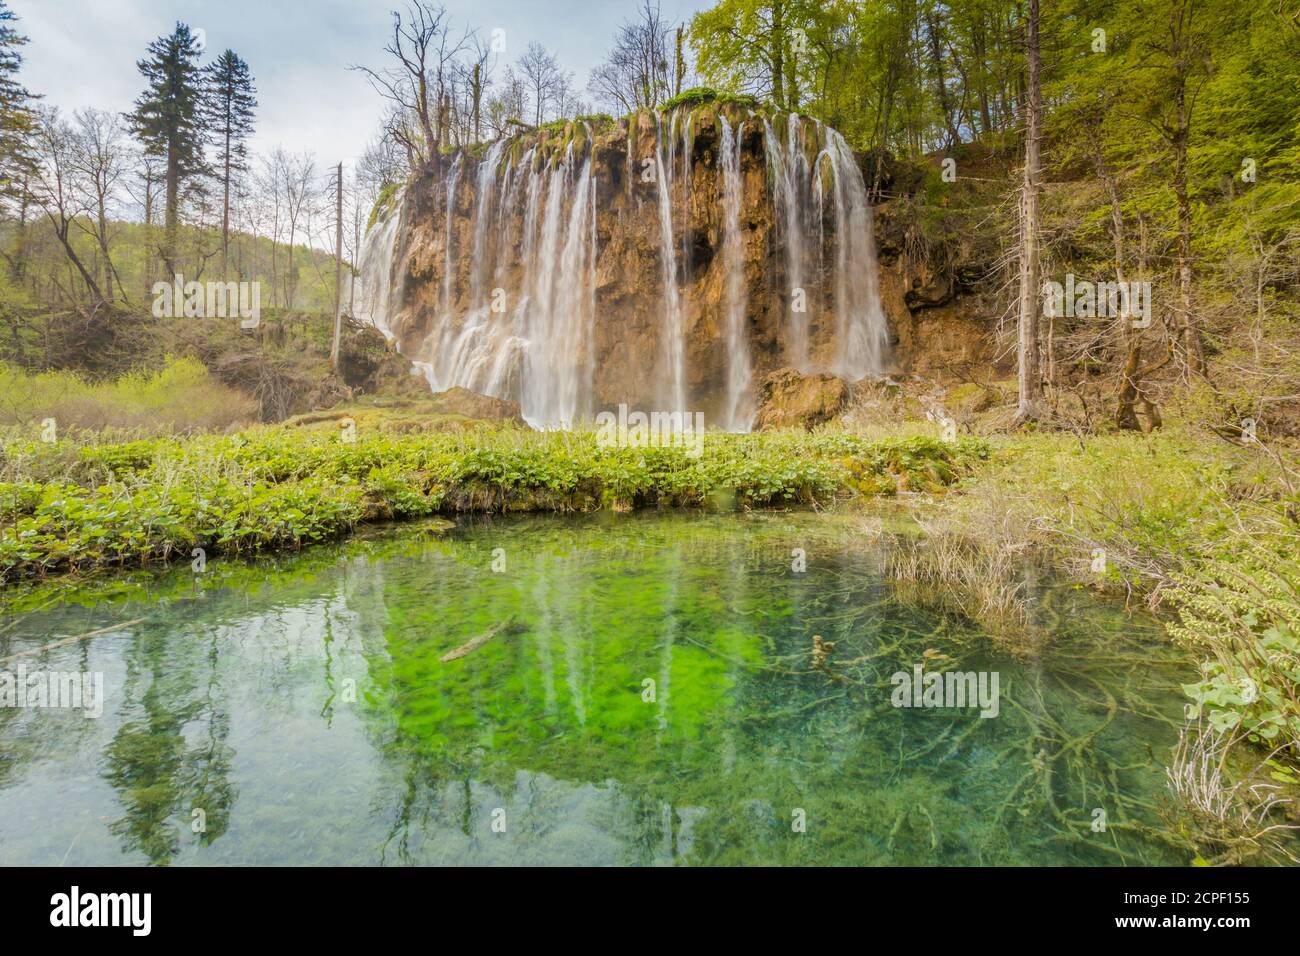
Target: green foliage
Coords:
[[71, 506], [699, 95], [385, 199], [1246, 612]]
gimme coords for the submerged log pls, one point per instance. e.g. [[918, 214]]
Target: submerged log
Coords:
[[474, 643]]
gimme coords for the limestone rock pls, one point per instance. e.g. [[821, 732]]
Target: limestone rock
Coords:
[[463, 402], [788, 398]]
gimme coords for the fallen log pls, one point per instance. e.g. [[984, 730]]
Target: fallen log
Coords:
[[474, 643]]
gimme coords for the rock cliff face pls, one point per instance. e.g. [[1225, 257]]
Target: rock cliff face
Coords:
[[663, 262]]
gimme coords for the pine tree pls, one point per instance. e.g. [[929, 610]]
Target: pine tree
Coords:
[[228, 112], [168, 120], [16, 119]]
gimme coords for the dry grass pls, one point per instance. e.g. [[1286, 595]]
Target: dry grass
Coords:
[[1236, 821]]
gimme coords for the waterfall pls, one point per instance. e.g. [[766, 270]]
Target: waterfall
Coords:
[[799, 197], [739, 409], [559, 318], [861, 330], [449, 265], [788, 167], [487, 175], [522, 323], [533, 343], [688, 263], [375, 268], [673, 349]]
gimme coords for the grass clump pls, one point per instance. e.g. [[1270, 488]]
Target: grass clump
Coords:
[[385, 199], [699, 95], [180, 396]]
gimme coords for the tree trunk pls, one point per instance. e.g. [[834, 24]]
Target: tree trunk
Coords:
[[225, 207], [778, 54], [679, 71], [1194, 353], [1030, 381], [940, 86], [171, 214], [476, 91], [338, 270]]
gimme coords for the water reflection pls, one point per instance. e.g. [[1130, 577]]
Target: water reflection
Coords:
[[656, 706]]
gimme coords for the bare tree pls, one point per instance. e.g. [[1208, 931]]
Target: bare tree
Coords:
[[54, 188], [100, 161], [423, 50], [511, 103], [143, 186], [543, 80], [381, 163], [301, 191], [270, 184], [636, 74], [475, 78]]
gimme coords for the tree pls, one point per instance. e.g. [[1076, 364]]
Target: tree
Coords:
[[424, 51], [1179, 61], [168, 120], [510, 104], [1030, 379], [99, 160], [16, 117], [228, 113], [754, 46], [476, 77], [380, 165], [300, 194], [54, 190], [544, 81], [635, 74]]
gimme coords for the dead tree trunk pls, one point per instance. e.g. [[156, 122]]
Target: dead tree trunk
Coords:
[[1029, 407]]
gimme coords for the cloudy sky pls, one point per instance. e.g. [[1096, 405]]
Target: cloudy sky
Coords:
[[83, 52]]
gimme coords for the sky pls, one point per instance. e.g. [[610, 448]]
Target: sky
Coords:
[[82, 53]]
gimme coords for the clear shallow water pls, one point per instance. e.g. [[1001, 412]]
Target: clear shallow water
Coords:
[[233, 695]]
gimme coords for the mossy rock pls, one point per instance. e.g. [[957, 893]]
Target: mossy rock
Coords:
[[970, 398]]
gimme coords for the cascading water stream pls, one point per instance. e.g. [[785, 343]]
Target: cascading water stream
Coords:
[[533, 344], [861, 330], [373, 303], [483, 220], [789, 171], [449, 265], [739, 410], [673, 349]]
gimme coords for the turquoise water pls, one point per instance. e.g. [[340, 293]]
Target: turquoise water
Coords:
[[301, 707]]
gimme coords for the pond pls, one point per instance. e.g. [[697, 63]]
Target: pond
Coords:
[[649, 695]]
